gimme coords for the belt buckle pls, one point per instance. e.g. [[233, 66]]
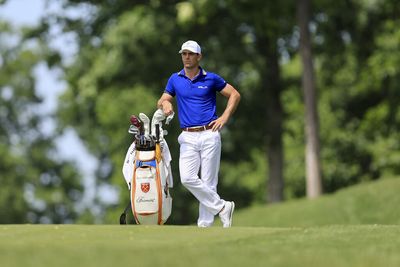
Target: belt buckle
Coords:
[[196, 129]]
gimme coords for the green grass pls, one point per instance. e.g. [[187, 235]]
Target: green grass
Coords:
[[369, 203], [355, 227], [112, 245]]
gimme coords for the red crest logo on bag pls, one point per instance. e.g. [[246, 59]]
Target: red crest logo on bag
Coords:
[[145, 187]]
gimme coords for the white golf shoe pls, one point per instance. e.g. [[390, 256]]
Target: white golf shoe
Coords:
[[203, 225], [227, 213]]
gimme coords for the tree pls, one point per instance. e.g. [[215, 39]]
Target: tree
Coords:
[[265, 22], [313, 168], [37, 186]]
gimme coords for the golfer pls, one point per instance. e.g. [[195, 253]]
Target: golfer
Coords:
[[200, 140]]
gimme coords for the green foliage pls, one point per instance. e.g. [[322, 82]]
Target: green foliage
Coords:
[[12, 204], [361, 101], [245, 182], [36, 185]]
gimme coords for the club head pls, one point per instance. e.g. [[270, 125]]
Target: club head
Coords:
[[169, 118], [146, 123], [135, 121], [158, 116], [133, 130], [143, 117]]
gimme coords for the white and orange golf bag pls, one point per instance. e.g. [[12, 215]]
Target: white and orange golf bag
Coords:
[[147, 171]]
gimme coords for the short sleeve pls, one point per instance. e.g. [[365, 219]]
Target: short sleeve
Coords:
[[219, 82], [170, 89]]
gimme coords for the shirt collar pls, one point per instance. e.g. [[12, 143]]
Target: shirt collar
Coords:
[[202, 72]]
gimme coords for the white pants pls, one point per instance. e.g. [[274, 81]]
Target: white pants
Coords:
[[201, 149]]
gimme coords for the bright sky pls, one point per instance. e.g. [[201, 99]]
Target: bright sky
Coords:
[[49, 86], [22, 12]]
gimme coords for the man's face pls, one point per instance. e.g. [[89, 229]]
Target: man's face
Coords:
[[190, 59]]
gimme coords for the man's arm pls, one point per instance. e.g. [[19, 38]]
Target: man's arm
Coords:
[[233, 101], [165, 103]]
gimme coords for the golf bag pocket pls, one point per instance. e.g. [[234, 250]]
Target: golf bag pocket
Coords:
[[150, 199], [145, 192]]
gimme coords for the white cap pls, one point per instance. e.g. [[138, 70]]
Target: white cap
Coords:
[[192, 46]]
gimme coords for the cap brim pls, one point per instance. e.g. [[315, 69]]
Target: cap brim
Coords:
[[180, 51]]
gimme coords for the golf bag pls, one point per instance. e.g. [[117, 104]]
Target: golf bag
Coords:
[[147, 170]]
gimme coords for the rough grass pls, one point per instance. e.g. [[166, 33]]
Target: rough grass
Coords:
[[357, 227]]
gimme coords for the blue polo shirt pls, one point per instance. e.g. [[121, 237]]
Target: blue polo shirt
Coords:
[[196, 99]]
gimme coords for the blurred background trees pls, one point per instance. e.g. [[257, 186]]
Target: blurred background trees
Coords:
[[128, 49], [36, 185]]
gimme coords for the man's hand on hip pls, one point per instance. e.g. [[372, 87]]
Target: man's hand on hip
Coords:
[[219, 123]]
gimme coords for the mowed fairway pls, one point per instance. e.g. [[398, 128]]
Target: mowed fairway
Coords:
[[112, 245], [355, 227]]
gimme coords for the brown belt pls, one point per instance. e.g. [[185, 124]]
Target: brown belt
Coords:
[[197, 129]]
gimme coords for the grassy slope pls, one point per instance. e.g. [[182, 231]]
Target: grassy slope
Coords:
[[324, 232], [369, 203]]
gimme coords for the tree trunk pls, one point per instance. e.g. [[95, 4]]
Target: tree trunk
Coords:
[[313, 168], [274, 118]]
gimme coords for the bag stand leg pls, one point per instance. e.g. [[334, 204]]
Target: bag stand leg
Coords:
[[122, 218]]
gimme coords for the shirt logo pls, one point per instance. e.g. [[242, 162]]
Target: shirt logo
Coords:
[[202, 86]]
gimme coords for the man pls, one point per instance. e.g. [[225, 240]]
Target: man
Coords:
[[200, 140]]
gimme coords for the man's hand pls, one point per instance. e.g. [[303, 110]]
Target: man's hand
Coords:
[[165, 103], [233, 100], [219, 123], [167, 107]]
